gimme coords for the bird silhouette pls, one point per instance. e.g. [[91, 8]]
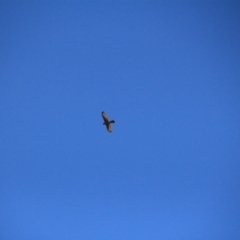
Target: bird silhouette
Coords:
[[107, 122]]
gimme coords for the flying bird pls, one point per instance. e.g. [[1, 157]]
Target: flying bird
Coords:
[[107, 122]]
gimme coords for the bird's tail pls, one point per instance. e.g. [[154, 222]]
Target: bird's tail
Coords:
[[112, 121]]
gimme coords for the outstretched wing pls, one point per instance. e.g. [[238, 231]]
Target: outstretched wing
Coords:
[[109, 127], [105, 118]]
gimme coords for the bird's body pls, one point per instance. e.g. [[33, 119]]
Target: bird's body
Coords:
[[107, 122]]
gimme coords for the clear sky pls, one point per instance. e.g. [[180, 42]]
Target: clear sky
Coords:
[[168, 73]]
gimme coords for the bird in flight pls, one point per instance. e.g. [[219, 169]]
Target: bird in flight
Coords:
[[107, 122]]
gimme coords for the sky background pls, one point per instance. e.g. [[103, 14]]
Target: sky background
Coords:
[[167, 72]]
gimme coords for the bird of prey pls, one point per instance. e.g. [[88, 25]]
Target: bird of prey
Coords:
[[107, 122]]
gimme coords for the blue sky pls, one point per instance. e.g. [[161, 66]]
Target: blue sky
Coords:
[[167, 73]]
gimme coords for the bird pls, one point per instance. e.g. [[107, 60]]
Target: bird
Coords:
[[107, 122]]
